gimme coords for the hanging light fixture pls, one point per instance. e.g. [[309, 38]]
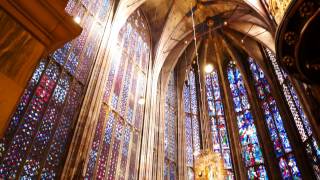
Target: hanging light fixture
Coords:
[[208, 68], [141, 101], [77, 19]]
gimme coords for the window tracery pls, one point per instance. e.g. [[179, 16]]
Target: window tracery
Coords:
[[115, 147], [274, 121], [219, 132], [170, 134], [250, 145], [300, 119], [36, 139], [192, 131]]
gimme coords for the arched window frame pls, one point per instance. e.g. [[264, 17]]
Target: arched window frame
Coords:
[[300, 118], [170, 129], [115, 147], [218, 120], [285, 154], [53, 96], [191, 115], [253, 113]]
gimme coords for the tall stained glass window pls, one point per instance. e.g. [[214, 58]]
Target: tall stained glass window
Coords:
[[115, 148], [281, 145], [192, 128], [219, 133], [36, 139], [300, 119], [170, 129], [250, 146]]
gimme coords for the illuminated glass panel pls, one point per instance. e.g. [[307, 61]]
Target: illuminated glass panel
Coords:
[[192, 127], [219, 133], [117, 148], [101, 166], [300, 119], [35, 142], [59, 142], [250, 146], [170, 125], [104, 10], [96, 143], [273, 119], [125, 152]]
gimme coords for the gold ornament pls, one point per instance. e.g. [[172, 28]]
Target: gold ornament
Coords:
[[209, 166]]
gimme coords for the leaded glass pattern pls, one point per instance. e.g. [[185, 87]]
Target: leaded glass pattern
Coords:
[[116, 140], [219, 132], [192, 127], [35, 142], [170, 126], [300, 119], [250, 145], [273, 119]]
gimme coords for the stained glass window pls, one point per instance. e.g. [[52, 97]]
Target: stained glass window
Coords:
[[36, 139], [273, 119], [116, 141], [170, 128], [219, 132], [300, 119], [250, 146], [192, 127]]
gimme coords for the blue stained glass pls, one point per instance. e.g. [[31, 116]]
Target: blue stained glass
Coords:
[[237, 104], [25, 99], [293, 167], [113, 69], [31, 167], [316, 147], [166, 171], [300, 120], [234, 90], [170, 145], [251, 151], [48, 107], [101, 166], [31, 119], [217, 122], [172, 171], [72, 62], [125, 90], [227, 159], [186, 100], [245, 103], [58, 145], [93, 155], [61, 54], [104, 10], [274, 121], [189, 149], [285, 172], [219, 108], [211, 108], [257, 173], [196, 135], [125, 85], [302, 114]]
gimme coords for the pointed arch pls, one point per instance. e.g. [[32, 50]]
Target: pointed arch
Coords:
[[274, 121], [250, 145], [219, 132]]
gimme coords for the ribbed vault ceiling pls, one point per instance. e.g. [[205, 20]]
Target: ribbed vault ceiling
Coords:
[[171, 26]]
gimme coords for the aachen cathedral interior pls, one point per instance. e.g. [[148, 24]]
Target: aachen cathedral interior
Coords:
[[160, 89]]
